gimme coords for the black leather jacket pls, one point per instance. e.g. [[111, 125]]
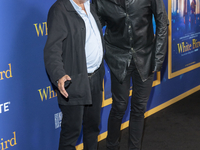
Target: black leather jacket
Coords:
[[129, 34]]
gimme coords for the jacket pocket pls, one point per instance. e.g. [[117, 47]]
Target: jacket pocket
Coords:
[[79, 86]]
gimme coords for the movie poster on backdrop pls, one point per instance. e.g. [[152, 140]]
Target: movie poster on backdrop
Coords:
[[184, 36]]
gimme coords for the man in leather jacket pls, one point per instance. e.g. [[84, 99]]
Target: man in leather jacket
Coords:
[[132, 51]]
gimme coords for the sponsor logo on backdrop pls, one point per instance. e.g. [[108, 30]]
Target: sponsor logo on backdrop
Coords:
[[5, 144], [4, 107], [41, 29], [47, 93], [6, 74], [58, 120]]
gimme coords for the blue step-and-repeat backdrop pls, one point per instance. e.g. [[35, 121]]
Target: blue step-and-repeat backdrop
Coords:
[[29, 114]]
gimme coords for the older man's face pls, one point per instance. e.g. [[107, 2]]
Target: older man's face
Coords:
[[82, 1]]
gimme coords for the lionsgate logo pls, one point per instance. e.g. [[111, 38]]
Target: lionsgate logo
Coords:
[[4, 107], [58, 120]]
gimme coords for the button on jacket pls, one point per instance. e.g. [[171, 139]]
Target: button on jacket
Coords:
[[129, 35]]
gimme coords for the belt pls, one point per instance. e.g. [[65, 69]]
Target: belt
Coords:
[[91, 74]]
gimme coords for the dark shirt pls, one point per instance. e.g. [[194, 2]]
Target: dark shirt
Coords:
[[121, 3]]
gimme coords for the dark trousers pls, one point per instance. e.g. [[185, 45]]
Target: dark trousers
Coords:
[[120, 96], [87, 115]]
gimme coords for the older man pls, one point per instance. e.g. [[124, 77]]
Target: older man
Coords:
[[73, 59]]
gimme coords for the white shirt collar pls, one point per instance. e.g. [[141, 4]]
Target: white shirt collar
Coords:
[[78, 8]]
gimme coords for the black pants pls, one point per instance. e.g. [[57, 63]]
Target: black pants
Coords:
[[87, 115], [120, 96]]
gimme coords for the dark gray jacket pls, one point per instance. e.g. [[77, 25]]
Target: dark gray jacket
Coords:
[[129, 34], [64, 52]]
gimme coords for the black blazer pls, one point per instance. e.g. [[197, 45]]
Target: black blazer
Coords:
[[64, 52]]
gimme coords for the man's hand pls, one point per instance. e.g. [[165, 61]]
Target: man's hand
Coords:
[[61, 87]]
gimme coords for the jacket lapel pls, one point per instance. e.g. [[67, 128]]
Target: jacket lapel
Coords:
[[68, 5]]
